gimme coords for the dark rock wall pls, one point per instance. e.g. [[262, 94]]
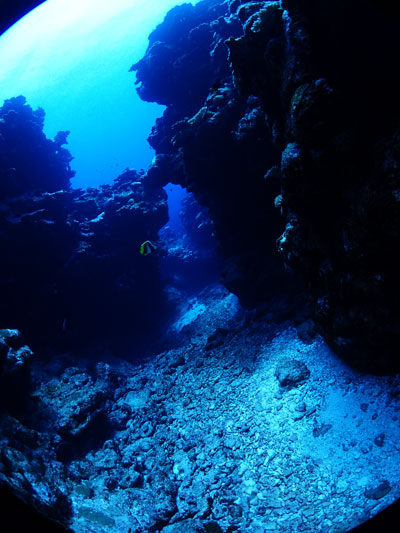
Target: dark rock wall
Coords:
[[15, 365], [216, 142], [340, 175], [197, 223], [71, 273], [30, 162], [283, 120]]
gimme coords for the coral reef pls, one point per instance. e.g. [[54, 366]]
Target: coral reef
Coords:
[[290, 134], [216, 143], [288, 138], [29, 162], [72, 273]]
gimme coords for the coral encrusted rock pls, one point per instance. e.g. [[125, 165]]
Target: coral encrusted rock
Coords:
[[216, 142], [72, 274], [15, 363], [29, 162], [290, 137]]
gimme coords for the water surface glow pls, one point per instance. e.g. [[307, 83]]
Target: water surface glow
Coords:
[[72, 57]]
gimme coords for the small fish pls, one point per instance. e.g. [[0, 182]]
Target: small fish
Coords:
[[215, 86], [147, 248], [64, 324]]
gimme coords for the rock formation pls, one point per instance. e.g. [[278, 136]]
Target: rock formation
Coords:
[[283, 119], [71, 273]]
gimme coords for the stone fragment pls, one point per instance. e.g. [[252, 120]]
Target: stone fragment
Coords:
[[376, 493], [291, 373], [321, 430], [191, 525], [379, 440]]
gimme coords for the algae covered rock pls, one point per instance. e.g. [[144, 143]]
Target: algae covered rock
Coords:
[[234, 132]]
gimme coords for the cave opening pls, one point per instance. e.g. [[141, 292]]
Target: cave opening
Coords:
[[176, 195]]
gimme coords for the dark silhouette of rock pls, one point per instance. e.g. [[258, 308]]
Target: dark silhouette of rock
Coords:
[[29, 162], [15, 364], [17, 515], [291, 373], [72, 274], [217, 143], [301, 121]]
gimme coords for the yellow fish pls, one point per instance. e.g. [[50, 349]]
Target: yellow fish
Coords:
[[147, 248]]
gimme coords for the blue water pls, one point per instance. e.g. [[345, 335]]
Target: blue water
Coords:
[[73, 59], [175, 196]]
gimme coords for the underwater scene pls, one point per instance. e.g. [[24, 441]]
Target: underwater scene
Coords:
[[200, 274]]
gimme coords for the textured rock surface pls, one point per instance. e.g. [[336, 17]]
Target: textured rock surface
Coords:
[[29, 162], [202, 438], [15, 364], [30, 469], [288, 115], [72, 273], [339, 180], [216, 143], [78, 402], [291, 373]]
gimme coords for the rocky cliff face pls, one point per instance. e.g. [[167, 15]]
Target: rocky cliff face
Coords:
[[282, 118], [71, 271], [285, 129], [215, 141]]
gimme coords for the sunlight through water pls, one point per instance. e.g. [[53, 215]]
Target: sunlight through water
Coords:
[[72, 57]]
